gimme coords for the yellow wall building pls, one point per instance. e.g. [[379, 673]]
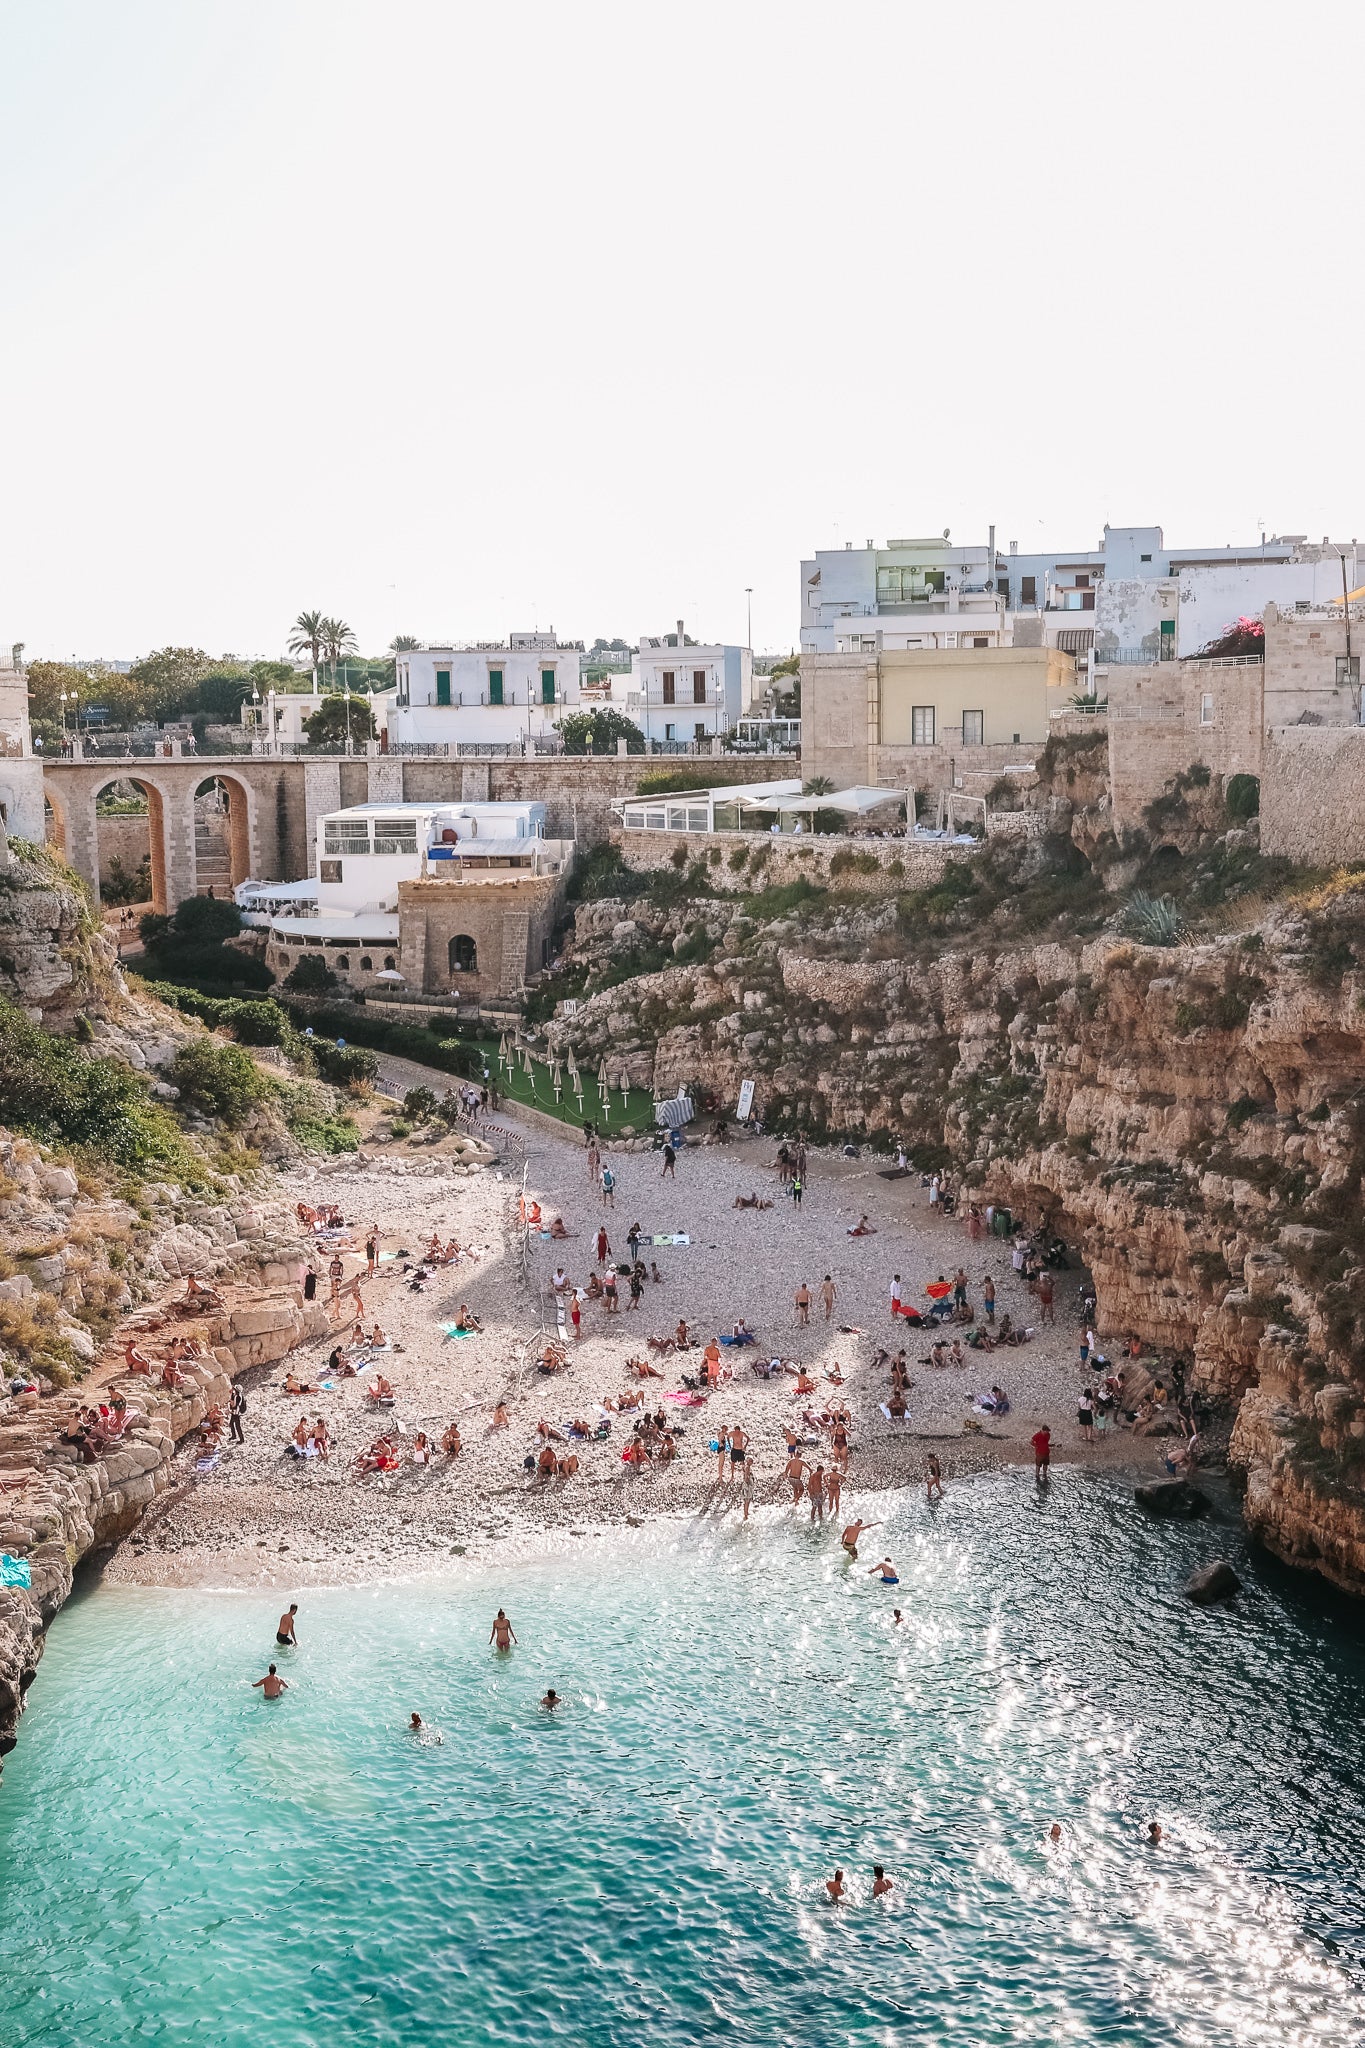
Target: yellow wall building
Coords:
[[910, 714]]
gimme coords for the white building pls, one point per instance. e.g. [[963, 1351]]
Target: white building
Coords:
[[349, 913], [680, 690], [1133, 598], [277, 720], [505, 694]]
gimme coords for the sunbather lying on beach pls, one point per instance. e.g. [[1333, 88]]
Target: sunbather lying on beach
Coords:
[[862, 1228], [642, 1370]]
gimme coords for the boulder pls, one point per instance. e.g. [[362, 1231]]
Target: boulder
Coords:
[[1172, 1498], [1207, 1584], [59, 1182]]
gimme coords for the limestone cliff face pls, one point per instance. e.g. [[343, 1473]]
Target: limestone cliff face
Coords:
[[1192, 1116], [53, 957]]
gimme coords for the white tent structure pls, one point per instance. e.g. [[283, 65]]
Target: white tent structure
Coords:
[[856, 802]]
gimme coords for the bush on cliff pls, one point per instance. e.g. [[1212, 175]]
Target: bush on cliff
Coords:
[[218, 1080], [50, 1091]]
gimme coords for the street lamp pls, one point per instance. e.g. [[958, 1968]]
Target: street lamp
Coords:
[[748, 592]]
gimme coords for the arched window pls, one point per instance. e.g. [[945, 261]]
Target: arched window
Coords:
[[464, 954], [341, 963], [366, 964], [389, 961]]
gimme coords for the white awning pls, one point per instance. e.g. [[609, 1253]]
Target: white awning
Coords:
[[858, 800]]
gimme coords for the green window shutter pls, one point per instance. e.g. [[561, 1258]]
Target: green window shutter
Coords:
[[443, 686], [495, 686], [547, 686]]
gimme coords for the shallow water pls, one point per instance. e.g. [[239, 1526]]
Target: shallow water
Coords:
[[184, 1862]]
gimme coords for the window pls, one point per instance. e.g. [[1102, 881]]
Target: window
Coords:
[[1028, 590], [1348, 670], [1082, 583], [547, 686], [345, 835], [699, 730], [980, 640], [366, 964], [699, 686], [973, 728], [495, 686], [670, 732], [390, 962], [922, 725], [395, 835], [443, 686], [656, 820], [1166, 642], [341, 963], [464, 954], [669, 681], [330, 871], [634, 821], [1144, 558], [696, 818]]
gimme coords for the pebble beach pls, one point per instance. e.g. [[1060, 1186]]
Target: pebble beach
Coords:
[[263, 1518]]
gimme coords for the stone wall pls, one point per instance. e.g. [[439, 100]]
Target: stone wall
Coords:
[[1158, 728], [1313, 794], [124, 839], [881, 864], [1301, 652], [511, 924]]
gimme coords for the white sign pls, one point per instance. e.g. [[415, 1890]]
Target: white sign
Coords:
[[746, 1100]]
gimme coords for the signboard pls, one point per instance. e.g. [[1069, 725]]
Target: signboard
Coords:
[[746, 1100]]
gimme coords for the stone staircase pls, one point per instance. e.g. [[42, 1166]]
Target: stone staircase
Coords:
[[212, 855]]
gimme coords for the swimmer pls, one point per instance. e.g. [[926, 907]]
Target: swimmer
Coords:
[[550, 1701], [416, 1726], [887, 1572], [284, 1633], [835, 1886], [1153, 1832], [272, 1684], [881, 1883], [896, 1617], [502, 1632], [849, 1539], [1054, 1833]]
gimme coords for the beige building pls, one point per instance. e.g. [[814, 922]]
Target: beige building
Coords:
[[482, 934], [916, 715]]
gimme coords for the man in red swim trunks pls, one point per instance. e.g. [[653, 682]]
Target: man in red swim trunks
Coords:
[[1042, 1453]]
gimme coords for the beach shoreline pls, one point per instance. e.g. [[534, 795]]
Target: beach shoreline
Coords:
[[261, 1518]]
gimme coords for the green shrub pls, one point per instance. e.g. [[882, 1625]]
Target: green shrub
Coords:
[[310, 975], [674, 781], [602, 871], [782, 899], [342, 1064], [1242, 1111], [51, 1092], [1243, 796], [330, 1134], [419, 1104], [1152, 920], [218, 1080]]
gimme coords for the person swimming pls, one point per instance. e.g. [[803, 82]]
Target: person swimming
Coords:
[[550, 1701], [887, 1571]]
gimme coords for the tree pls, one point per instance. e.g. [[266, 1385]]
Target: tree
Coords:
[[596, 732], [166, 681], [310, 976], [224, 690], [340, 718], [819, 785], [273, 675], [337, 639], [307, 636], [403, 643]]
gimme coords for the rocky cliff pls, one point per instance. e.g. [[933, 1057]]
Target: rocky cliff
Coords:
[[1188, 1113]]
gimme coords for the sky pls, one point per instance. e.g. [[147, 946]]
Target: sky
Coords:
[[454, 321]]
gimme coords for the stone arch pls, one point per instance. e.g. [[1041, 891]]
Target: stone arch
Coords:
[[156, 830], [225, 857], [128, 838], [463, 954]]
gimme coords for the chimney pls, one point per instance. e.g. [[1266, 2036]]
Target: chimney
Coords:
[[682, 637]]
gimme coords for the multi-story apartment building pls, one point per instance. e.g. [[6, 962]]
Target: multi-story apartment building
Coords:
[[487, 694], [1132, 598]]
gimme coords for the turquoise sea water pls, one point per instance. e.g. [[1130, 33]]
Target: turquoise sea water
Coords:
[[181, 1862]]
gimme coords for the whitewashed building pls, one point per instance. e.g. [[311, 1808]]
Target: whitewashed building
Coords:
[[681, 690], [508, 694]]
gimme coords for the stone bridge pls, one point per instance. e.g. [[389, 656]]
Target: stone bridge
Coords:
[[273, 804]]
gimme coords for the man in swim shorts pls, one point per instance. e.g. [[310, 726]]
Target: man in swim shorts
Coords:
[[849, 1539], [502, 1632], [1042, 1453], [284, 1633], [272, 1684], [887, 1572]]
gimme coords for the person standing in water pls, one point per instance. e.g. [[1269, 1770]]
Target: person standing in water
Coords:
[[849, 1539], [272, 1684], [1042, 1453], [550, 1701], [933, 1478], [886, 1571], [502, 1632], [284, 1633], [835, 1886], [881, 1883]]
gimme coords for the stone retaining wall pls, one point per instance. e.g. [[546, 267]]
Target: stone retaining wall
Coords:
[[871, 866], [1313, 794]]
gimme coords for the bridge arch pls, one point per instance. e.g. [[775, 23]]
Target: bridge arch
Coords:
[[222, 826]]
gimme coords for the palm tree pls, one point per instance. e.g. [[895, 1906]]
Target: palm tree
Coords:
[[403, 643], [337, 640], [307, 638], [819, 785]]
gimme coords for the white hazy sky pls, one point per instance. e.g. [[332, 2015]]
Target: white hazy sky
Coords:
[[454, 319]]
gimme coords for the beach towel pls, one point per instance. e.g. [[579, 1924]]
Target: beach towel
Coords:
[[671, 1237], [454, 1330], [14, 1571]]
